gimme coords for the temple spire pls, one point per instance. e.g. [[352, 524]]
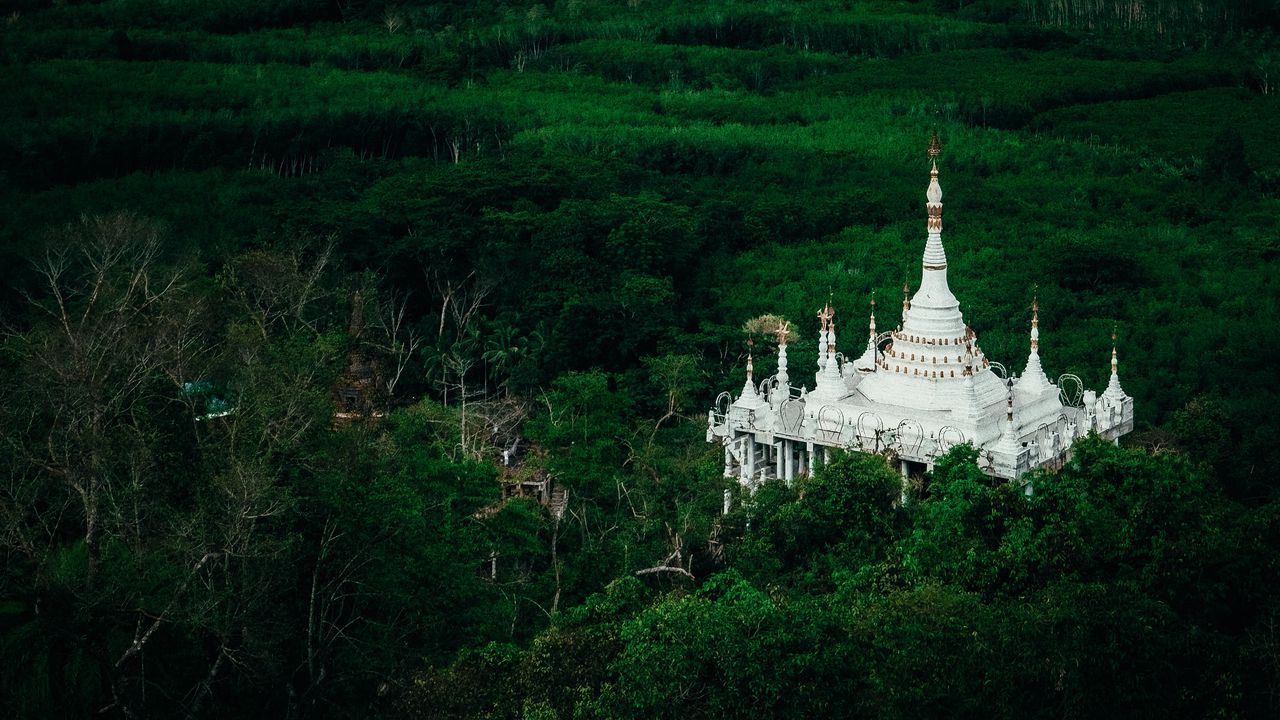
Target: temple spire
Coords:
[[784, 330], [935, 258], [868, 361], [1035, 325], [827, 382], [749, 387], [906, 303], [824, 337], [1114, 391], [1033, 379], [1009, 438], [972, 406], [933, 311], [872, 326]]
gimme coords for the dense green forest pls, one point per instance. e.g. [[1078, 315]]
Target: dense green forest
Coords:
[[298, 296]]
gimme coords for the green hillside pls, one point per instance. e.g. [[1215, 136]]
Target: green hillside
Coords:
[[477, 227]]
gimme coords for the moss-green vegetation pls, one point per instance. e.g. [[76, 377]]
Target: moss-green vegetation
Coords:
[[557, 218]]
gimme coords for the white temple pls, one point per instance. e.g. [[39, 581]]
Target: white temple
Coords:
[[914, 392]]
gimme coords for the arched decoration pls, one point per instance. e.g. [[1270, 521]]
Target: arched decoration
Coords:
[[909, 437], [1070, 390], [831, 422], [723, 401], [870, 426], [791, 416], [948, 437], [998, 369], [1044, 438]]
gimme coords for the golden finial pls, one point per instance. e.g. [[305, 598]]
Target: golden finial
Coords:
[[935, 146]]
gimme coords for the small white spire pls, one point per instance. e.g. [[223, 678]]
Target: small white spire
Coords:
[[824, 322], [1006, 450], [826, 340], [906, 303], [750, 396], [1008, 438], [828, 384], [1034, 381], [971, 396], [868, 361], [833, 363], [783, 378], [1035, 324], [1114, 392], [872, 325]]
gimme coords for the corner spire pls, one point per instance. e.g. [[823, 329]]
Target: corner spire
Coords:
[[784, 332], [749, 392], [872, 325], [1035, 324], [1034, 381], [827, 382], [824, 335], [1009, 438], [868, 361], [1114, 392]]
